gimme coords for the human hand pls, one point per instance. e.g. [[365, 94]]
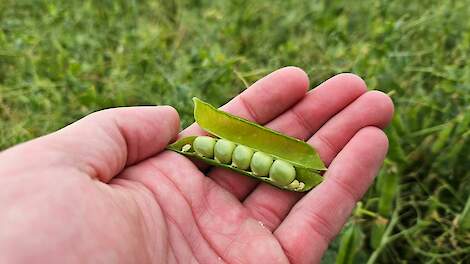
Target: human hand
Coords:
[[104, 190]]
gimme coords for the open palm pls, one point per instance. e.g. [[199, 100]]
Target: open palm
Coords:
[[104, 189]]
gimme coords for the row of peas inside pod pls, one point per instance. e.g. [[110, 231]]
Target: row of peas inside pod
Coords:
[[242, 157]]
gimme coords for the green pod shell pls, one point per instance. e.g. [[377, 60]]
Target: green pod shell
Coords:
[[261, 163], [241, 157], [223, 150], [243, 132], [250, 138], [204, 146], [282, 172]]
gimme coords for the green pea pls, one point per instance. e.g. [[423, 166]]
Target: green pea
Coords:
[[241, 157], [204, 146], [282, 172], [223, 151], [260, 164], [294, 185], [186, 148]]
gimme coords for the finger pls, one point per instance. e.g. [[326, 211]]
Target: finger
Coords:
[[371, 109], [307, 116], [103, 143], [319, 105], [319, 215], [374, 108], [263, 101]]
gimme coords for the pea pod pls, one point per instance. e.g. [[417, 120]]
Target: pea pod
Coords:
[[252, 150]]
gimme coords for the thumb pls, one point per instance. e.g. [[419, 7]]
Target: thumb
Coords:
[[100, 144]]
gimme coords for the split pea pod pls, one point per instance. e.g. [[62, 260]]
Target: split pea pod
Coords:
[[252, 150]]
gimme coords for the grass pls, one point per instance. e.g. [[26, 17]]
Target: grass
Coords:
[[60, 60]]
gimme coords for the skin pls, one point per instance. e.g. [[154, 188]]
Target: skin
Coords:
[[104, 190]]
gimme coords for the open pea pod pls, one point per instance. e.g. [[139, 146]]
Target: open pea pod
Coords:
[[252, 150]]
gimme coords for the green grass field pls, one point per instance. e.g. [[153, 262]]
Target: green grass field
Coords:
[[61, 60]]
